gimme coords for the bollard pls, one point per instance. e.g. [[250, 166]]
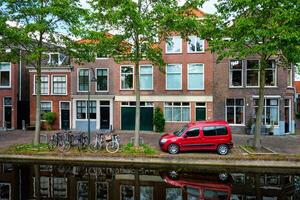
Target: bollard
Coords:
[[23, 125]]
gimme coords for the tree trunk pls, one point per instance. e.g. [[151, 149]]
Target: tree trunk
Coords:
[[262, 67], [38, 103]]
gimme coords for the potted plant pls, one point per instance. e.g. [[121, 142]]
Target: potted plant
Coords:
[[49, 117]]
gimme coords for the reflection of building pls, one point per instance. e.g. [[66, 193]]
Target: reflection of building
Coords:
[[9, 179]]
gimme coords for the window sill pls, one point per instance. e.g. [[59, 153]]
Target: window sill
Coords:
[[5, 87], [171, 53], [42, 94], [102, 90], [237, 125], [290, 87], [179, 89], [197, 52], [59, 94], [127, 89], [202, 89], [236, 87]]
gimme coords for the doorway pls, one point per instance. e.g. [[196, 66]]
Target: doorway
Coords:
[[65, 115], [7, 123], [104, 115], [287, 115]]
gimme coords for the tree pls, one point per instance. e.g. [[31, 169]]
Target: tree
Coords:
[[258, 27], [35, 27], [139, 26]]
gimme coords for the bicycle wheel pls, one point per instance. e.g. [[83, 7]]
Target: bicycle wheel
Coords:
[[52, 145], [83, 144], [63, 146], [112, 147], [94, 146]]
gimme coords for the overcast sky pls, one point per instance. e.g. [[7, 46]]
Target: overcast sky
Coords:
[[208, 7]]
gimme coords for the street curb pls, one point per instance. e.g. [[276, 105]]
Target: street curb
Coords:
[[170, 161]]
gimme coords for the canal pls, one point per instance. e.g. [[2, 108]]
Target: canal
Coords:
[[76, 181]]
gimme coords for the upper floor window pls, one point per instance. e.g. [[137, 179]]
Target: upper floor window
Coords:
[[44, 85], [55, 58], [177, 111], [195, 76], [234, 111], [5, 74], [195, 44], [173, 77], [146, 77], [174, 44], [252, 72], [126, 77], [59, 84], [236, 73], [290, 77], [102, 80], [271, 73], [83, 80]]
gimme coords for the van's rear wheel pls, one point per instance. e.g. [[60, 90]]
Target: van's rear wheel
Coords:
[[173, 149], [222, 149]]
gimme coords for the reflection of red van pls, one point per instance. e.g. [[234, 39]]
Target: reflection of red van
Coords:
[[202, 135], [208, 186]]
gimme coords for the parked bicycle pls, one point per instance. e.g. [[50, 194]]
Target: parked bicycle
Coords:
[[111, 142], [54, 140], [64, 144], [97, 143]]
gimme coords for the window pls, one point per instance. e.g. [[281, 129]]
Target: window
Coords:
[[214, 130], [270, 112], [173, 194], [193, 132], [200, 111], [126, 77], [53, 59], [60, 187], [44, 85], [127, 192], [100, 55], [102, 79], [271, 73], [235, 109], [174, 44], [83, 80], [82, 190], [195, 45], [146, 193], [45, 107], [236, 73], [195, 76], [146, 77], [82, 109], [59, 84], [173, 79], [5, 74], [101, 191], [177, 111], [252, 72], [289, 77]]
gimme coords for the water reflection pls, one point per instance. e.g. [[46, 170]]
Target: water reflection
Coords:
[[24, 181]]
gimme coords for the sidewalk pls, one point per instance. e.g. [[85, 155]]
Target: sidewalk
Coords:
[[289, 144]]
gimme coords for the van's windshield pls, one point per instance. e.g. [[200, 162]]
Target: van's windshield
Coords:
[[180, 131]]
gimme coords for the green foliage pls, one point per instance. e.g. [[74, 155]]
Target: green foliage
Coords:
[[142, 149], [158, 120], [28, 148], [49, 117]]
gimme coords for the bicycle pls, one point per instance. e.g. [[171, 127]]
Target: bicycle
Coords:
[[112, 143], [64, 144], [97, 143], [54, 140]]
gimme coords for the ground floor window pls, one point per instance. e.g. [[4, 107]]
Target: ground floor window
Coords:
[[82, 109], [45, 107], [200, 111], [234, 110], [177, 111], [270, 112]]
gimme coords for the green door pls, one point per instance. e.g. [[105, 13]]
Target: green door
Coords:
[[200, 114], [128, 118]]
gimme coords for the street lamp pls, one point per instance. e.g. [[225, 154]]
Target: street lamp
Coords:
[[88, 104]]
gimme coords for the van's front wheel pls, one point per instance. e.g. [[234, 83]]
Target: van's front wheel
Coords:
[[222, 149], [173, 149]]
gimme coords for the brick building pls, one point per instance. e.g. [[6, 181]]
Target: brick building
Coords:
[[55, 90], [236, 95]]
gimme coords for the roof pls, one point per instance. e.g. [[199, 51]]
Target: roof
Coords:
[[297, 86], [195, 12]]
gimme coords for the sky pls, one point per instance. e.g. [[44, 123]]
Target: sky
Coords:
[[208, 6]]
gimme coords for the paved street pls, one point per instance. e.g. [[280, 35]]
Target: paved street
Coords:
[[280, 144]]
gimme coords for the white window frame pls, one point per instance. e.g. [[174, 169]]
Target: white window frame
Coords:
[[265, 109], [234, 112], [171, 38], [246, 66], [100, 58], [275, 74], [59, 60], [86, 111], [230, 74], [166, 77], [181, 106], [9, 86], [290, 76], [96, 75], [34, 80], [145, 65], [188, 74], [188, 45], [52, 84], [89, 85], [131, 66]]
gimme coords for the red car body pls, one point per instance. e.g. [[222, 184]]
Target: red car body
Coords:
[[202, 135]]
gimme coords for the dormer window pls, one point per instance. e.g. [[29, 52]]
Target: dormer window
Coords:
[[101, 55], [55, 58]]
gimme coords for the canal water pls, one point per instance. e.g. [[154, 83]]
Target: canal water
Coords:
[[77, 181]]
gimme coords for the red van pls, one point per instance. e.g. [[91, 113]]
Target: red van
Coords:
[[202, 135]]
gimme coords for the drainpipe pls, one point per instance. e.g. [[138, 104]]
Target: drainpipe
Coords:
[[20, 76]]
